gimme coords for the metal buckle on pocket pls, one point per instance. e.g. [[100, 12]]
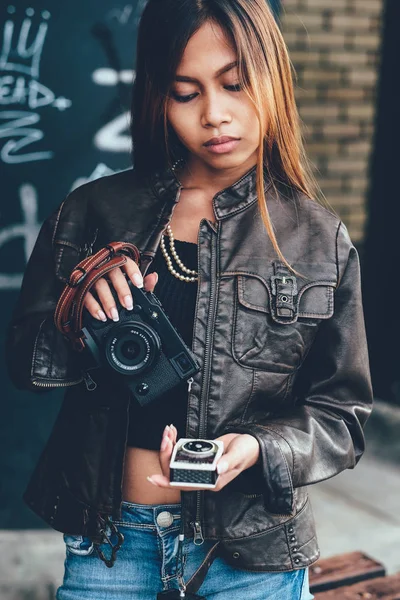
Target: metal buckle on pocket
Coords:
[[284, 290], [285, 280]]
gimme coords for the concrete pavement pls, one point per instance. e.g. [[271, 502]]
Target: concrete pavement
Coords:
[[359, 510]]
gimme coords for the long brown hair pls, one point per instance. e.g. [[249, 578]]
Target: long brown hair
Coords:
[[266, 76]]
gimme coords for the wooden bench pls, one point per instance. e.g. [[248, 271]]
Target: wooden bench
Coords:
[[352, 576]]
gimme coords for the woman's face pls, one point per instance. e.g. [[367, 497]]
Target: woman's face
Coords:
[[206, 102]]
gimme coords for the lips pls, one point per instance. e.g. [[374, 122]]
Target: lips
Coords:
[[215, 141]]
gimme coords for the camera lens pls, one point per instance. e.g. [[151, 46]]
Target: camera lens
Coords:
[[199, 447], [132, 348]]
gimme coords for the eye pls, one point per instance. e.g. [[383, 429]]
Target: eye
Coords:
[[234, 88], [183, 98]]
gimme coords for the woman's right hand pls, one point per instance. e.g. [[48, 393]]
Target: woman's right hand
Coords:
[[106, 306]]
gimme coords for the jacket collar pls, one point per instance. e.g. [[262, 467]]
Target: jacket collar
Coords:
[[228, 201]]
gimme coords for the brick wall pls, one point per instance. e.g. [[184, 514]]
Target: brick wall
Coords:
[[334, 46]]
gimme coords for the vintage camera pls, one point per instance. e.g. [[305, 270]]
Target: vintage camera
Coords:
[[143, 346], [194, 463]]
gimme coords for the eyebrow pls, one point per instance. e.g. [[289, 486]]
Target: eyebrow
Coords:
[[224, 69]]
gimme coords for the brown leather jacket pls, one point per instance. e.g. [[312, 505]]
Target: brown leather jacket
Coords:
[[282, 358]]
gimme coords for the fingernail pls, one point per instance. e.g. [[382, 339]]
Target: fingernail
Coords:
[[114, 314], [171, 426], [137, 280], [222, 467], [151, 481], [102, 316], [128, 302]]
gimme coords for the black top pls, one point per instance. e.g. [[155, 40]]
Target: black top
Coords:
[[146, 424]]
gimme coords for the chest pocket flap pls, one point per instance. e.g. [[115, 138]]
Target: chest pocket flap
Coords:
[[270, 337], [314, 300]]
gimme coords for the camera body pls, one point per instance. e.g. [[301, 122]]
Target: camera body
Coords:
[[193, 463], [143, 346]]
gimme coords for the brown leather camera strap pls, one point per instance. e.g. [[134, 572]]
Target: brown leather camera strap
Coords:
[[195, 582], [68, 313]]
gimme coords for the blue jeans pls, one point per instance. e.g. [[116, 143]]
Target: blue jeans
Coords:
[[146, 564]]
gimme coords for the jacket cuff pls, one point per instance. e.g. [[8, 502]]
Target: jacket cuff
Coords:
[[276, 464]]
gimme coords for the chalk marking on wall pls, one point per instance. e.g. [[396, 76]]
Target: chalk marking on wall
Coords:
[[121, 14], [110, 137], [20, 86], [28, 230], [20, 49], [100, 171], [110, 77], [16, 126]]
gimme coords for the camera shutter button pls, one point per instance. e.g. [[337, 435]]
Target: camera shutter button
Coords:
[[142, 388], [165, 519]]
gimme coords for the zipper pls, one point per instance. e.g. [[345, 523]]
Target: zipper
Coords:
[[55, 385], [207, 363], [198, 534], [89, 382], [255, 496], [197, 525]]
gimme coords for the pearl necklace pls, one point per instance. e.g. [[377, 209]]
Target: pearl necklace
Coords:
[[177, 259]]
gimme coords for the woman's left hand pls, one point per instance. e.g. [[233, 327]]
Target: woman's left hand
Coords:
[[241, 451]]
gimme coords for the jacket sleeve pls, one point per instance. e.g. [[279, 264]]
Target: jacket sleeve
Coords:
[[322, 434], [37, 356]]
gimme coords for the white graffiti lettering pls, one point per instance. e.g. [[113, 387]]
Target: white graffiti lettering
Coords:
[[111, 136], [27, 230], [20, 87], [29, 62], [111, 77], [115, 136], [121, 14], [100, 171], [17, 126]]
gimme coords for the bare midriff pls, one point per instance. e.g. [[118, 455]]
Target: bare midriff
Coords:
[[141, 463]]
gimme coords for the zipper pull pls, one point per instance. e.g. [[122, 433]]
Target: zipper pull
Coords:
[[190, 382], [89, 382], [198, 534]]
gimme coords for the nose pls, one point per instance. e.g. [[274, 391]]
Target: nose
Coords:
[[214, 111]]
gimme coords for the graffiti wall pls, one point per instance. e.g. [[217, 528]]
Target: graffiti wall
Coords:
[[66, 70]]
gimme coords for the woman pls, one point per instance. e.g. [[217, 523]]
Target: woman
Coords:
[[261, 282]]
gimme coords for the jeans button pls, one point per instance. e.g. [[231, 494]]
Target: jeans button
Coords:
[[165, 519]]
